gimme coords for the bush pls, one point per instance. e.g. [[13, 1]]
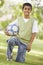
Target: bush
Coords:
[[40, 33], [1, 2], [4, 24]]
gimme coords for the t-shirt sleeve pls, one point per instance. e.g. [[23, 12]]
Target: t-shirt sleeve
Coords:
[[35, 27]]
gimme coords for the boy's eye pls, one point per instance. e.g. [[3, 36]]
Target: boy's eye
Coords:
[[25, 8]]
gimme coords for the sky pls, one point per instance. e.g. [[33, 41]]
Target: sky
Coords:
[[42, 2]]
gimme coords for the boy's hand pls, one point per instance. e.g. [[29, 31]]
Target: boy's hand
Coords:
[[6, 32], [29, 47]]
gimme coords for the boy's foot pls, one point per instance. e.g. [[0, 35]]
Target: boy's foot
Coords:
[[9, 59]]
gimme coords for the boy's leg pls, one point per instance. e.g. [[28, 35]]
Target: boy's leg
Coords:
[[14, 41], [9, 51], [11, 43], [21, 49], [21, 53]]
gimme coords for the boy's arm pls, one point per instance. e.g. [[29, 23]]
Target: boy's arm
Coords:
[[30, 42], [34, 32]]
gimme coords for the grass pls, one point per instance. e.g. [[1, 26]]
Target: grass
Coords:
[[37, 45], [3, 39], [31, 58]]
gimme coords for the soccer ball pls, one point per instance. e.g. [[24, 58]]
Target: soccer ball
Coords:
[[12, 29]]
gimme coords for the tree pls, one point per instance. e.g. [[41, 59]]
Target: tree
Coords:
[[1, 3]]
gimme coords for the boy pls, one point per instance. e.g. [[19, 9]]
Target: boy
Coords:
[[27, 32]]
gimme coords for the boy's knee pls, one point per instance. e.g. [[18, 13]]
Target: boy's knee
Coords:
[[22, 48], [9, 41], [12, 41]]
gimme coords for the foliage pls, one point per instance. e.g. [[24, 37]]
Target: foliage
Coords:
[[1, 3], [39, 14], [17, 10], [4, 24], [40, 33]]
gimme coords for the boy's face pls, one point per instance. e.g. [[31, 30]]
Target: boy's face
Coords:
[[27, 10]]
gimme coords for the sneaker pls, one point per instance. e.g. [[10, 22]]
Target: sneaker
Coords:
[[9, 59]]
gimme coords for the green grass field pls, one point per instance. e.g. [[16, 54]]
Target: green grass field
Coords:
[[31, 58]]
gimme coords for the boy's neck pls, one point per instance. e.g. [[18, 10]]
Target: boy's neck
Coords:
[[26, 17]]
